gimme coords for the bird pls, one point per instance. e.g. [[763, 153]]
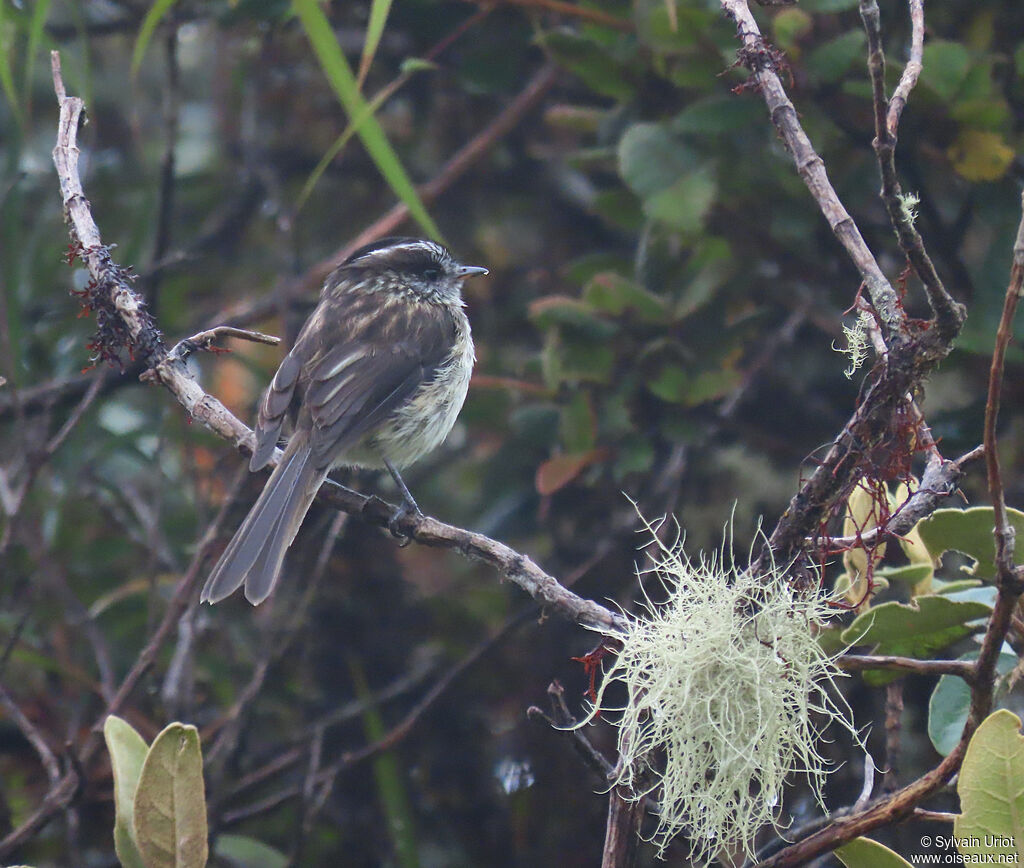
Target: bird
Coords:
[[379, 372]]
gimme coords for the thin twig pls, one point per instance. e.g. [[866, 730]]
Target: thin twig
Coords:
[[949, 314], [32, 735], [863, 662], [571, 10], [911, 71], [759, 58]]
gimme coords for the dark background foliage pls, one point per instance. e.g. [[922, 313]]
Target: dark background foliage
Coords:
[[657, 326]]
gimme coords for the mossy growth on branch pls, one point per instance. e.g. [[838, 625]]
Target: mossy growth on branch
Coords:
[[729, 695]]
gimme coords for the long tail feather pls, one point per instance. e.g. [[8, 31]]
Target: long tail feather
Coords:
[[256, 552]]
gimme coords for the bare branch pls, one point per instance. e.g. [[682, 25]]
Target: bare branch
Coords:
[[762, 63], [949, 314], [911, 71], [863, 662]]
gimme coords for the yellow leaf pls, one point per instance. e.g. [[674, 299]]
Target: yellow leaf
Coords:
[[978, 155]]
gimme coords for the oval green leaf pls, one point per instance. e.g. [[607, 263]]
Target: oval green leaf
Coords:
[[127, 754], [991, 822], [170, 802]]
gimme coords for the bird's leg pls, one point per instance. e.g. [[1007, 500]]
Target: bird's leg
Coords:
[[408, 507]]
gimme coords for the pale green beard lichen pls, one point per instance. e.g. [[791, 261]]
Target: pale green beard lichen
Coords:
[[856, 349], [729, 697]]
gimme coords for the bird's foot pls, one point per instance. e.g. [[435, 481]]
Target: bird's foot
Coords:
[[408, 508]]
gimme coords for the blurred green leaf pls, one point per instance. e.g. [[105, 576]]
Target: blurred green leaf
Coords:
[[828, 5], [170, 803], [153, 18], [790, 26], [374, 30], [987, 113], [831, 62], [684, 204], [577, 427], [127, 753], [612, 293], [590, 62], [717, 114], [866, 853], [635, 455], [241, 851], [339, 74], [950, 703], [945, 67], [562, 310], [651, 158], [675, 384]]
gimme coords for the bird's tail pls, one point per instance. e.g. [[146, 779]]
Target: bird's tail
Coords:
[[256, 552]]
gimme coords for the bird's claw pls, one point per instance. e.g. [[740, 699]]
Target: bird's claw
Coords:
[[399, 515]]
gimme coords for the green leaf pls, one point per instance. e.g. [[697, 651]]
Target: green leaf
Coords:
[[828, 5], [831, 61], [651, 158], [339, 74], [717, 114], [685, 203], [919, 629], [790, 26], [674, 384], [577, 428], [241, 851], [951, 700], [170, 802], [615, 294], [569, 358], [945, 67], [968, 531], [555, 310], [374, 30], [153, 17], [991, 822], [591, 63], [127, 753], [865, 853], [911, 573]]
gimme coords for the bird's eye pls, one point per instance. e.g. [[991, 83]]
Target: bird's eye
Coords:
[[431, 273]]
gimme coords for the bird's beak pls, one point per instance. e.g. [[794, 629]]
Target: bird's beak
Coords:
[[464, 271]]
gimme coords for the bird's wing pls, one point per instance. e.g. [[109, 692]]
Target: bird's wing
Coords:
[[375, 354]]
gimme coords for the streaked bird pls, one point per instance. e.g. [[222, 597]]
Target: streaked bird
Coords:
[[380, 372]]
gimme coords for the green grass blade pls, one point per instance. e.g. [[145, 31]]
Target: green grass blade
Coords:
[[35, 32], [374, 30], [387, 773], [155, 15], [371, 108], [339, 74], [6, 73]]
